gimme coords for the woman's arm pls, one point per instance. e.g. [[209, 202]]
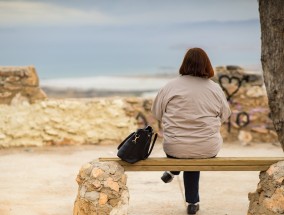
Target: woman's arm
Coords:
[[225, 111], [158, 107]]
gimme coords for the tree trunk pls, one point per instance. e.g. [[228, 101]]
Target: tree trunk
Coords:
[[272, 59]]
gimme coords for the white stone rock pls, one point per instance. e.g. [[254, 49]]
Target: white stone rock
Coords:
[[82, 191], [92, 196], [91, 134], [118, 102], [255, 92], [2, 136], [51, 131], [52, 103], [18, 99], [122, 206], [57, 119], [43, 104], [245, 137]]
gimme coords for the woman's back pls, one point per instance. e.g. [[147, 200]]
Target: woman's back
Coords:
[[191, 110]]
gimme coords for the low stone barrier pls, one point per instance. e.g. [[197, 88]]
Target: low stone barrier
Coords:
[[61, 122], [102, 190], [110, 120], [268, 199]]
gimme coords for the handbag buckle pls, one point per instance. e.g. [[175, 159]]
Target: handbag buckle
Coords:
[[135, 139]]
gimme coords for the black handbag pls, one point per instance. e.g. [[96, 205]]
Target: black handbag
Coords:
[[137, 146]]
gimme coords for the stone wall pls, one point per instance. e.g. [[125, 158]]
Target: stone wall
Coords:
[[56, 122], [253, 78], [110, 120], [253, 101], [268, 199], [19, 83]]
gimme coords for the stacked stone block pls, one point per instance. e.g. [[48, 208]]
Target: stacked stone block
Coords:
[[19, 83], [102, 190]]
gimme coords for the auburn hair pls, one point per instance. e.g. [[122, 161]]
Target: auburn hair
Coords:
[[196, 63]]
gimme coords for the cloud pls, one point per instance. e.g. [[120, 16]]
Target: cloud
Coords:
[[124, 12], [171, 12], [47, 14]]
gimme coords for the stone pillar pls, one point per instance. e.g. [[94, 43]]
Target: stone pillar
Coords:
[[268, 199], [102, 190]]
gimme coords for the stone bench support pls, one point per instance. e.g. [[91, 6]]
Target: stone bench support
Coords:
[[103, 191]]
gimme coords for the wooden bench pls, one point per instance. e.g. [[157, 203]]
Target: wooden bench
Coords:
[[211, 164]]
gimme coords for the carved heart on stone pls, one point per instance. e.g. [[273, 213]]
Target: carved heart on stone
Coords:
[[230, 85]]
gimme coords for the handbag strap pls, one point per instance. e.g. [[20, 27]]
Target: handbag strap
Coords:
[[152, 146], [125, 140]]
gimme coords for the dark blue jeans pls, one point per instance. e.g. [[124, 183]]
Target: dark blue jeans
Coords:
[[191, 184]]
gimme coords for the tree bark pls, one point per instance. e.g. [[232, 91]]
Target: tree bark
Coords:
[[272, 59]]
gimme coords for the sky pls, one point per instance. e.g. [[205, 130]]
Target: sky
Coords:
[[115, 38]]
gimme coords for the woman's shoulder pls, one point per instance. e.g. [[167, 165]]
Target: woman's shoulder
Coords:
[[168, 87], [213, 84], [191, 81], [172, 82]]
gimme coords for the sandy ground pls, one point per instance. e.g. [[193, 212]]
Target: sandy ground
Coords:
[[42, 181]]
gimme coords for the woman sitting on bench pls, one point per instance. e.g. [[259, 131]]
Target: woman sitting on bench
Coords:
[[191, 108]]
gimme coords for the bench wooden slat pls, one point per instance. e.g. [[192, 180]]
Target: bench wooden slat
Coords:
[[228, 161], [211, 164], [195, 168]]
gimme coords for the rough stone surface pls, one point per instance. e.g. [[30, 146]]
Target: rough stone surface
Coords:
[[251, 77], [244, 137], [256, 92], [110, 120], [268, 199], [102, 190], [19, 84], [62, 122], [260, 125]]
